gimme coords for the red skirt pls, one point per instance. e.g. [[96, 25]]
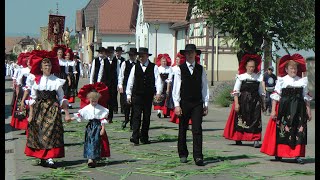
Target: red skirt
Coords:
[[157, 107], [45, 153], [18, 123], [71, 99], [230, 133], [175, 119], [105, 148], [270, 147]]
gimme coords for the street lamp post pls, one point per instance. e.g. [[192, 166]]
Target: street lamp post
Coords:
[[156, 27]]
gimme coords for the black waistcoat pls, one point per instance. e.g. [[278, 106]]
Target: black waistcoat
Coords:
[[191, 85], [127, 72], [105, 74], [144, 82]]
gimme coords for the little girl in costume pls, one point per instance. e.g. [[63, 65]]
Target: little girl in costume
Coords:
[[96, 143]]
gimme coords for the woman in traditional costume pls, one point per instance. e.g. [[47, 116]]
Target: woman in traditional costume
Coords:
[[164, 66], [20, 117], [244, 121], [71, 76], [45, 130], [286, 133]]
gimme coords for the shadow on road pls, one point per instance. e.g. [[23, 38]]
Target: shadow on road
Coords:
[[212, 129], [7, 109], [163, 127], [73, 144], [11, 139], [8, 90], [120, 162], [209, 160], [70, 163], [8, 128], [306, 160]]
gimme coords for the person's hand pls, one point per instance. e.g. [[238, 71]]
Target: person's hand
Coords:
[[120, 90], [168, 91], [67, 118], [309, 114], [178, 111], [69, 83], [102, 131], [237, 107], [30, 118], [273, 115], [21, 106], [205, 110], [158, 96], [129, 100]]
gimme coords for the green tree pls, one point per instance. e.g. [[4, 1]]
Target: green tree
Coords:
[[289, 23], [13, 57], [73, 42]]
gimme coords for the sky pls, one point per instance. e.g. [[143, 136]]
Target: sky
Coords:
[[25, 17]]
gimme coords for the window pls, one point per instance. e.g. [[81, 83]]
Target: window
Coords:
[[191, 29]]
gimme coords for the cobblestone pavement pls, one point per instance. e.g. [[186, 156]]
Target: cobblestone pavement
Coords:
[[158, 160]]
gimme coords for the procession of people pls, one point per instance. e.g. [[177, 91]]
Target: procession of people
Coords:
[[46, 84]]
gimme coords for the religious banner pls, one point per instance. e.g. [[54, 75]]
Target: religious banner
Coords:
[[55, 28]]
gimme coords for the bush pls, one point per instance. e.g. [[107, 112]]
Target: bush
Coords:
[[224, 98]]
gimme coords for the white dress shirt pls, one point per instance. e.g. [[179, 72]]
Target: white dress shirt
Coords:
[[90, 112], [121, 72], [118, 65], [23, 72], [166, 70], [100, 70], [63, 62], [144, 66], [239, 78], [51, 83], [177, 86], [286, 81]]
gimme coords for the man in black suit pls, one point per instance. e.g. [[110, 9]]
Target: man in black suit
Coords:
[[105, 69], [100, 68], [120, 60], [122, 85], [144, 81], [190, 96], [113, 81]]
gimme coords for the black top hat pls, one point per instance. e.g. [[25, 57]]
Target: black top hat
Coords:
[[133, 51], [110, 49], [119, 49], [101, 49], [190, 47], [143, 50]]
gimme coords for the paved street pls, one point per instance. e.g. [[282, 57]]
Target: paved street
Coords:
[[158, 160]]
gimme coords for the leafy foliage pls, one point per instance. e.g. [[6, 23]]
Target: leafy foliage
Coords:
[[224, 98], [289, 23]]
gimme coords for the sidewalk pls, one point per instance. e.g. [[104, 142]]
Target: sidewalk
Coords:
[[158, 160]]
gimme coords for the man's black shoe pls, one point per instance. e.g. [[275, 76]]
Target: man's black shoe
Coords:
[[135, 142], [145, 141], [183, 160], [124, 125], [199, 162]]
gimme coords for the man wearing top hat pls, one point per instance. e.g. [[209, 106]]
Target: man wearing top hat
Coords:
[[122, 85], [99, 71], [144, 81], [120, 60], [104, 69], [190, 96], [113, 81]]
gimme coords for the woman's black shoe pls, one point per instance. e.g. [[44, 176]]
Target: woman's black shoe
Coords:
[[238, 142], [278, 158], [299, 160]]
